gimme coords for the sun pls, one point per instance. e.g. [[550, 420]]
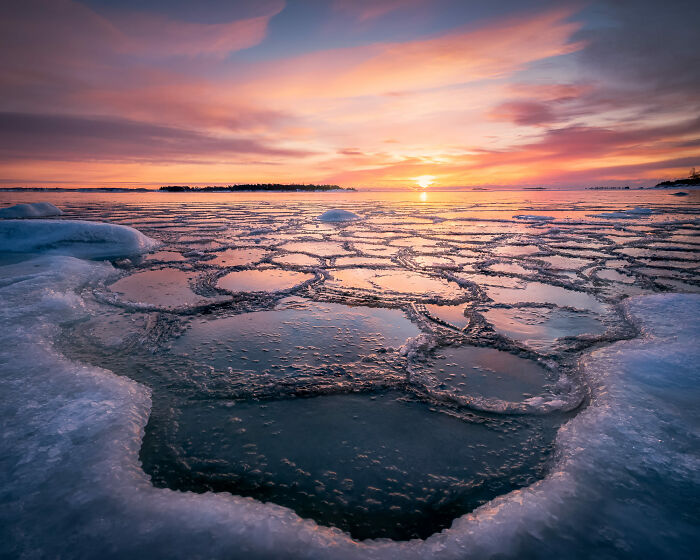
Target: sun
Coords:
[[424, 181]]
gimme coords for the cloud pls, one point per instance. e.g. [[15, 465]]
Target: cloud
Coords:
[[366, 10], [64, 137], [525, 113], [53, 26]]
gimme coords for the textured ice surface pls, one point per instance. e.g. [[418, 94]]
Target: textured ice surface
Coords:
[[31, 210]]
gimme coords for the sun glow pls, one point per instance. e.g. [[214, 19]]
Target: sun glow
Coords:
[[424, 181]]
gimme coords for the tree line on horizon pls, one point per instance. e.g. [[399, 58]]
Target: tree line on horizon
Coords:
[[253, 187]]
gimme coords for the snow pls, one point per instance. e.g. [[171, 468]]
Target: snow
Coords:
[[338, 215], [69, 237], [31, 210]]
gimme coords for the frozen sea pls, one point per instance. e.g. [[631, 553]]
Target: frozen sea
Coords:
[[507, 374]]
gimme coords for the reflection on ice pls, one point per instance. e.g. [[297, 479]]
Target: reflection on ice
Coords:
[[165, 287], [265, 280]]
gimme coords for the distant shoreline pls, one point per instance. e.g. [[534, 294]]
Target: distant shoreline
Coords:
[[184, 189]]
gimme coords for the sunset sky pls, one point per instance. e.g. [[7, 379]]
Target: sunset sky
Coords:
[[358, 93]]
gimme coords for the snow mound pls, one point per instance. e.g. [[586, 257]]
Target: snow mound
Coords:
[[338, 215], [533, 218], [71, 237], [31, 210]]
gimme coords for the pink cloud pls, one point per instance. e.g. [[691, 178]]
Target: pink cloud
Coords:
[[525, 112], [462, 56]]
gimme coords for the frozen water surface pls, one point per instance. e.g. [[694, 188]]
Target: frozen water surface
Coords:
[[447, 373], [379, 465]]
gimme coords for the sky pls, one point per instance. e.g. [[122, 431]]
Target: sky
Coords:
[[388, 94]]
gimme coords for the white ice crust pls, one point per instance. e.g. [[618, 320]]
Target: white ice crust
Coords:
[[72, 485], [338, 215], [30, 210], [70, 237]]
